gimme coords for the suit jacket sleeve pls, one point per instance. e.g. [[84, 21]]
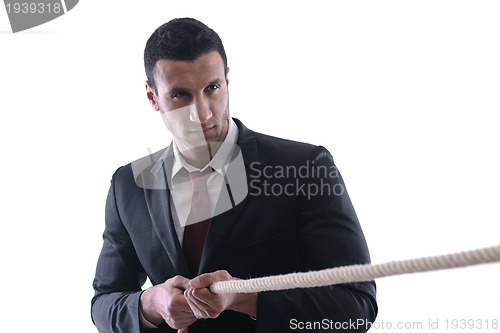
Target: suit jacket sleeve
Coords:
[[118, 268], [329, 236]]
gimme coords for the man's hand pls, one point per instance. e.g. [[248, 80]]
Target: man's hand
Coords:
[[204, 304], [166, 302]]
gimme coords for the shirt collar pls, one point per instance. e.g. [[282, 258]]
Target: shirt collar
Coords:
[[218, 162]]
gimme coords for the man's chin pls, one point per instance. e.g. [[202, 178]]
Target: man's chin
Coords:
[[199, 149], [202, 147]]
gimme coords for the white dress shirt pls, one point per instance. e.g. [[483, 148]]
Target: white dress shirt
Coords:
[[181, 192]]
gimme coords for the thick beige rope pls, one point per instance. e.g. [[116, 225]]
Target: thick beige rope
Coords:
[[357, 273]]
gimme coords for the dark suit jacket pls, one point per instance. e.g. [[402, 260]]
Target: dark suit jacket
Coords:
[[265, 234]]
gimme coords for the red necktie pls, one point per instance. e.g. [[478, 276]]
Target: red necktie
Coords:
[[198, 221]]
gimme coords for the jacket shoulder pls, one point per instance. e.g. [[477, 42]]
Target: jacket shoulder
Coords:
[[284, 150], [145, 172]]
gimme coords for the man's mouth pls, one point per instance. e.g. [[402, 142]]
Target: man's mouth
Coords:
[[204, 130]]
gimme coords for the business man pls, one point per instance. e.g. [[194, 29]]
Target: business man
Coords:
[[222, 202]]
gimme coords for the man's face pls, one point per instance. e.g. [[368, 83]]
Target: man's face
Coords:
[[193, 100]]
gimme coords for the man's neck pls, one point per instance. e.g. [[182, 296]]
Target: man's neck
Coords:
[[200, 157]]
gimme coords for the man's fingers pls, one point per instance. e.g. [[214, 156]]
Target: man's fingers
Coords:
[[203, 303], [202, 297], [199, 308], [179, 305], [179, 313], [171, 303], [180, 282], [205, 280]]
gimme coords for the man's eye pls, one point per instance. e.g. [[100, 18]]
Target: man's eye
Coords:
[[213, 87], [179, 94]]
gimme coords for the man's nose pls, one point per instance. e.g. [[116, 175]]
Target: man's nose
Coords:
[[201, 113]]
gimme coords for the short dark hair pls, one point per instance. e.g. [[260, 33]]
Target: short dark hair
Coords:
[[180, 39]]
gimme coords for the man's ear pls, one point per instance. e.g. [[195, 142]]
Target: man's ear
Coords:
[[227, 76], [150, 93]]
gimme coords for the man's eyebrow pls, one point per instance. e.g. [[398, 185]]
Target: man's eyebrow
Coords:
[[215, 81], [176, 90]]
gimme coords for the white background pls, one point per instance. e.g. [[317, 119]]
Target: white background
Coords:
[[404, 94]]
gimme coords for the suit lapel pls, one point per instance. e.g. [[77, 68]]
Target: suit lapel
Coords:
[[159, 206], [158, 200]]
